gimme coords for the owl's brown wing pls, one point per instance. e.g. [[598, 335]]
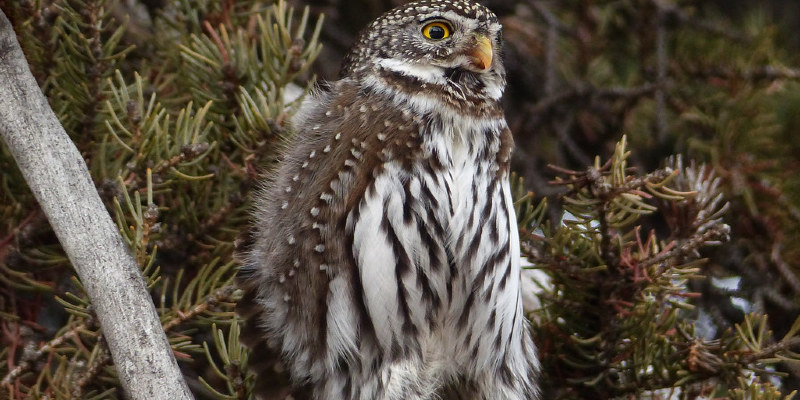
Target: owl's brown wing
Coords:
[[272, 380], [300, 264]]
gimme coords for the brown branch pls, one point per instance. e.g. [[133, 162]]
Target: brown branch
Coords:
[[566, 96], [767, 72], [671, 11], [211, 300], [662, 125], [27, 363], [771, 350], [102, 359], [188, 152], [8, 238], [785, 271], [687, 247]]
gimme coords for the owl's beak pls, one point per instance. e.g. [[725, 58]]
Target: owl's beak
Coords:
[[480, 56]]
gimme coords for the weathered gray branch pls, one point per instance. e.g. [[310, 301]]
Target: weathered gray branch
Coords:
[[59, 178]]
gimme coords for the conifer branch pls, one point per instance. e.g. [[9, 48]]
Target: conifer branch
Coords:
[[4, 241], [59, 178], [771, 351], [27, 363], [219, 296], [686, 248], [761, 73], [673, 12], [99, 360], [565, 96], [784, 270]]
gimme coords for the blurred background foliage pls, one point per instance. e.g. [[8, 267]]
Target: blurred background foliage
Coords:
[[652, 279]]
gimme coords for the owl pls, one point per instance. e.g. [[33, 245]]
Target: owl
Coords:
[[384, 256]]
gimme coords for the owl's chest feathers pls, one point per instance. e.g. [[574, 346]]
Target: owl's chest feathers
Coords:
[[389, 125], [467, 151], [352, 138], [461, 143]]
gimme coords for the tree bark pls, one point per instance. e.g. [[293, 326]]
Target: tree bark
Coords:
[[60, 180]]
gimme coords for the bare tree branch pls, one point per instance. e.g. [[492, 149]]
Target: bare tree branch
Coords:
[[60, 180]]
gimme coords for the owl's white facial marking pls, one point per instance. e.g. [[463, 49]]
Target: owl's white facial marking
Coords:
[[426, 72], [493, 83]]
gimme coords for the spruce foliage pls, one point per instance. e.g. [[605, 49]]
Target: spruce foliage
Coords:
[[175, 115]]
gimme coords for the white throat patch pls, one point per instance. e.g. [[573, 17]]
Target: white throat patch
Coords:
[[435, 75], [426, 73]]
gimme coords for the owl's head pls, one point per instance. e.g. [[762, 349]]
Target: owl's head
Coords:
[[433, 41]]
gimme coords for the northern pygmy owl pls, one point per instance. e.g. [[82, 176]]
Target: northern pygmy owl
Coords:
[[384, 261]]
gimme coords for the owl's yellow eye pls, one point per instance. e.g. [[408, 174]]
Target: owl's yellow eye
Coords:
[[436, 30]]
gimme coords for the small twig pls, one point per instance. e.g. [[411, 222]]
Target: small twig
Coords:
[[45, 349], [211, 300], [640, 182], [784, 270], [767, 72], [188, 152], [8, 238], [554, 27], [565, 96], [593, 177], [605, 238], [790, 207], [661, 75], [102, 359], [670, 10], [684, 248], [223, 50], [779, 299], [208, 225], [771, 350], [550, 18], [565, 138]]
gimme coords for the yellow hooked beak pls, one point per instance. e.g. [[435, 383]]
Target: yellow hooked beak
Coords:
[[480, 56]]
